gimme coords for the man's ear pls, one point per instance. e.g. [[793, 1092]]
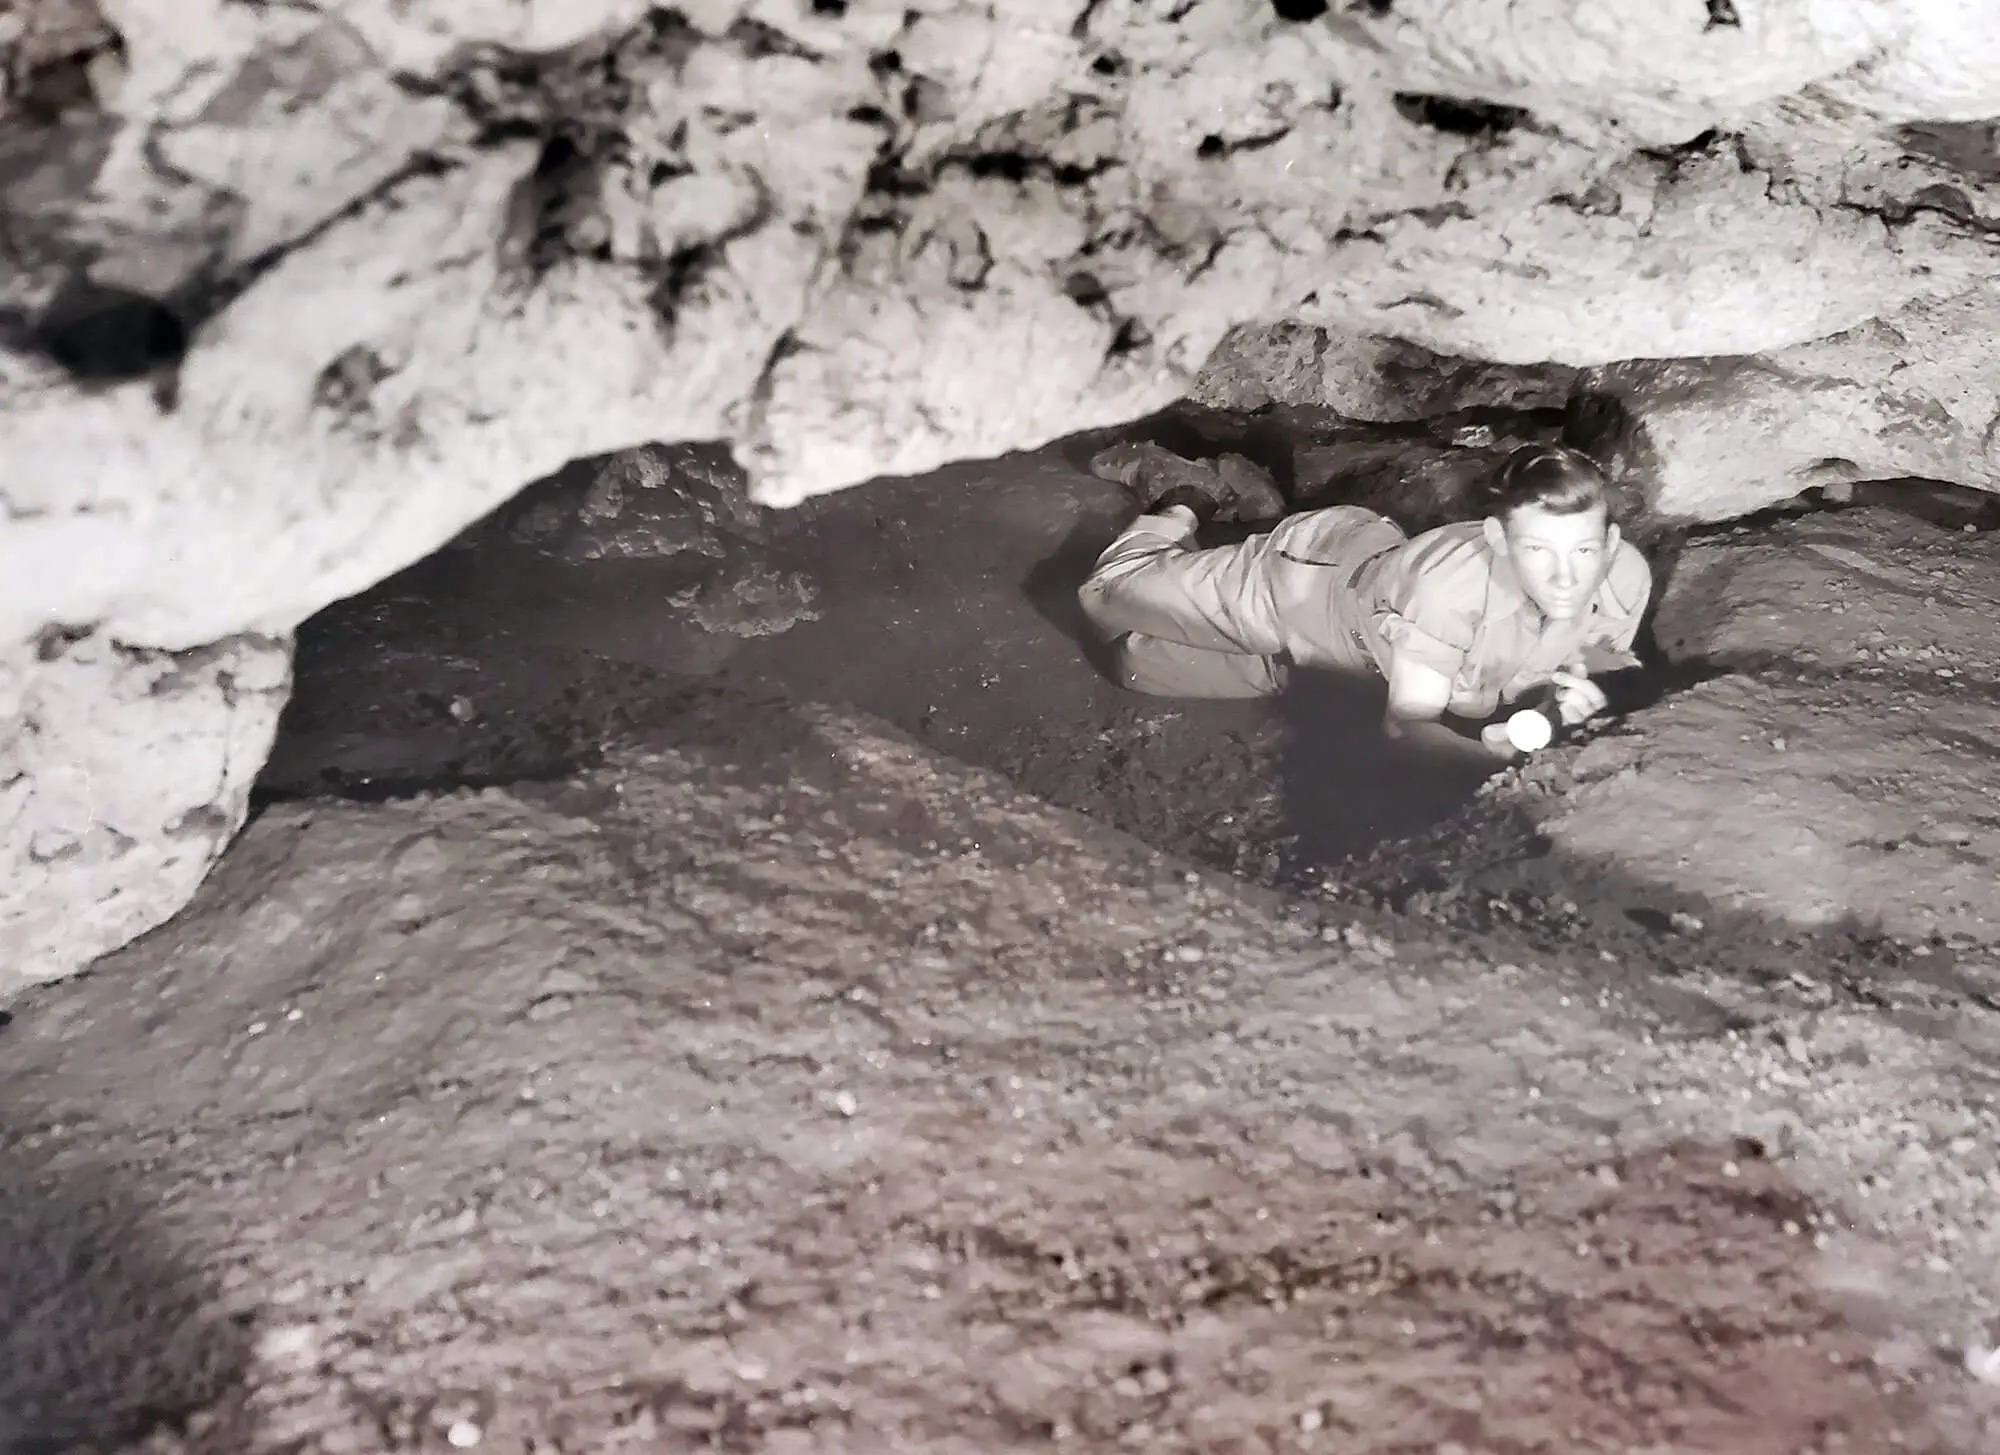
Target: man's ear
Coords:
[[1612, 536], [1496, 534]]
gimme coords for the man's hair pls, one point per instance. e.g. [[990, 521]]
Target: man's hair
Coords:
[[1554, 478]]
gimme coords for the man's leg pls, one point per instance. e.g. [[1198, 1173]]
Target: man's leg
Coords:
[[1162, 668], [1152, 582]]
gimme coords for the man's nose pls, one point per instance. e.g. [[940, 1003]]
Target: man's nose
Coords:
[[1565, 571]]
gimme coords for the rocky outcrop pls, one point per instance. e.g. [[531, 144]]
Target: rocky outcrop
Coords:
[[126, 775], [1843, 771], [293, 294]]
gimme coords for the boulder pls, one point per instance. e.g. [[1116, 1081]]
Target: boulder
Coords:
[[1912, 396], [1844, 771], [123, 775]]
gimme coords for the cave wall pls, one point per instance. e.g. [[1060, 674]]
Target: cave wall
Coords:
[[295, 293]]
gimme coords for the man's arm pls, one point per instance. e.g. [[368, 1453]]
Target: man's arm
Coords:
[[1420, 701]]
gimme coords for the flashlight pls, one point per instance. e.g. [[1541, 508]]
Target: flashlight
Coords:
[[1534, 723], [1530, 730]]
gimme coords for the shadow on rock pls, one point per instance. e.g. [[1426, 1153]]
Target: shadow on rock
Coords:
[[1349, 787], [1052, 583], [108, 1341]]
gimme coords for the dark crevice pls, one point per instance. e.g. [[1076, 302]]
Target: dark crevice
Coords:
[[389, 788], [1299, 11], [106, 335], [890, 178], [1214, 147], [1131, 337], [50, 88], [1459, 116], [1722, 14], [101, 335], [1080, 27], [1085, 290], [1707, 144], [681, 272], [1009, 166], [757, 40], [1936, 200]]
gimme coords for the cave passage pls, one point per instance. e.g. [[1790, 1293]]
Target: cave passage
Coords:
[[945, 605]]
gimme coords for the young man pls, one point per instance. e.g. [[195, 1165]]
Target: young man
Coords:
[[1542, 592]]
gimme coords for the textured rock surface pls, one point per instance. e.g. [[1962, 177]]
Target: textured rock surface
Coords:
[[1850, 773], [944, 256], [786, 1093], [294, 293], [1366, 377], [123, 774], [1912, 396]]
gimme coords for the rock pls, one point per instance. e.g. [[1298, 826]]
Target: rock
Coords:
[[1242, 490], [1365, 377], [645, 504], [1388, 379], [291, 298], [684, 505], [1910, 396], [123, 775], [1147, 471], [1283, 363], [1019, 1236], [754, 599], [1252, 493], [1836, 776]]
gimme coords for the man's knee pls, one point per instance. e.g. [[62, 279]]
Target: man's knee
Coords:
[[1105, 599], [1132, 669]]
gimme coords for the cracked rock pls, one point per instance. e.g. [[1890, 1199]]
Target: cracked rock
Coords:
[[123, 775], [297, 293]]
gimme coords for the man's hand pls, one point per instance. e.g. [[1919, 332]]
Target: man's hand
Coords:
[[1578, 699], [1493, 737]]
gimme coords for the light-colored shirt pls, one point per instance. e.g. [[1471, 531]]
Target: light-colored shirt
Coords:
[[1448, 600]]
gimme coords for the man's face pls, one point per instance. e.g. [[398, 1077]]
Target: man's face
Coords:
[[1560, 559]]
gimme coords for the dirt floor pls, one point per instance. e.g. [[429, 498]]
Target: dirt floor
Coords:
[[704, 981]]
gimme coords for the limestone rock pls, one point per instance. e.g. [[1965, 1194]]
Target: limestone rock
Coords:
[[1915, 395], [1861, 769], [123, 775], [653, 502], [1086, 222], [1240, 489], [688, 504], [1366, 377], [292, 297]]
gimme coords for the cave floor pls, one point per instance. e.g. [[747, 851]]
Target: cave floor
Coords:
[[883, 1035]]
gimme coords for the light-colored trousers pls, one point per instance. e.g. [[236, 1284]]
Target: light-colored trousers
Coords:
[[1227, 622]]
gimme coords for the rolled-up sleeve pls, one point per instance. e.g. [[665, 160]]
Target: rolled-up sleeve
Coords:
[[1432, 604]]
